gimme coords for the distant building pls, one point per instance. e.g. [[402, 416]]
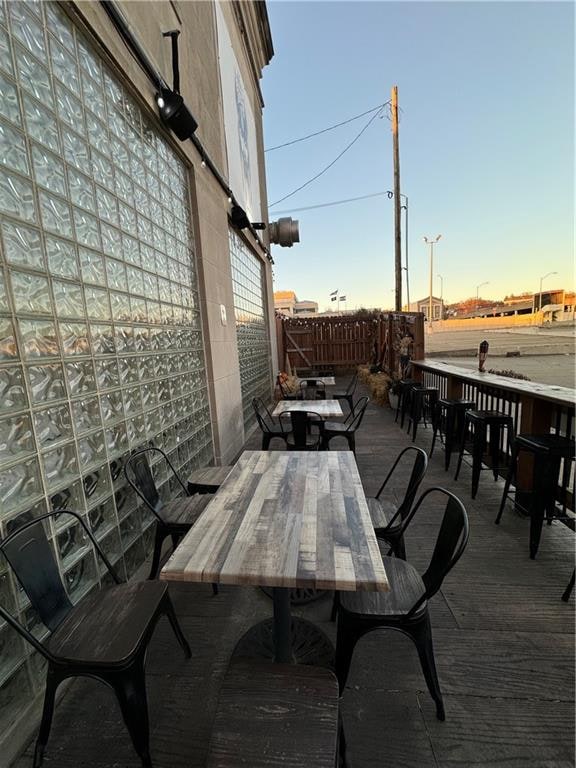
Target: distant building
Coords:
[[423, 305], [287, 303]]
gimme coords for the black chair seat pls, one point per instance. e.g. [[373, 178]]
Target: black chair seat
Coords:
[[184, 511], [556, 445], [311, 441], [381, 512], [84, 637], [406, 588], [489, 417], [335, 426], [275, 714]]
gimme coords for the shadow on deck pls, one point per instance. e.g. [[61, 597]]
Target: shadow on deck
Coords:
[[504, 646]]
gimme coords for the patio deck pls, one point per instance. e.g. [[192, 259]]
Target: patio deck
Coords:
[[504, 645]]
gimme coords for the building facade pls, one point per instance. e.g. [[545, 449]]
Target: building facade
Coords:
[[286, 302], [132, 310]]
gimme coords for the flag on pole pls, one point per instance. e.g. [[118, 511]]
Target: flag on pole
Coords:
[[342, 298], [334, 292], [334, 295]]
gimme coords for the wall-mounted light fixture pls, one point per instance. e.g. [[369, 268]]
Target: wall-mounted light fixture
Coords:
[[173, 112], [240, 219], [284, 232]]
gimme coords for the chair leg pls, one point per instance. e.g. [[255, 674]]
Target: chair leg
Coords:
[[477, 453], [461, 452], [421, 634], [215, 589], [346, 639], [52, 682], [448, 438], [399, 547], [507, 483], [569, 588], [265, 441], [158, 541], [175, 624], [130, 687], [495, 449], [352, 442]]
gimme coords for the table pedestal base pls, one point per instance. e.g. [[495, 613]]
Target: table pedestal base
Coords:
[[309, 644], [299, 595]]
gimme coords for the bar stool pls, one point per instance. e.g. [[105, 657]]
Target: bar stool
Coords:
[[422, 399], [548, 451], [479, 422], [403, 387], [450, 415]]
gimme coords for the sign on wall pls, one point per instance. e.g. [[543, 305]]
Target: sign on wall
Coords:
[[239, 126]]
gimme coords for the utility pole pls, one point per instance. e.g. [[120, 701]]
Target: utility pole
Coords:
[[397, 201], [431, 243]]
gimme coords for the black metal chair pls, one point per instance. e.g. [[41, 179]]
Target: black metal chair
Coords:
[[422, 401], [268, 424], [570, 586], [174, 518], [389, 519], [348, 393], [285, 394], [482, 427], [347, 430], [304, 431], [448, 419], [402, 405], [405, 607], [312, 389], [105, 636]]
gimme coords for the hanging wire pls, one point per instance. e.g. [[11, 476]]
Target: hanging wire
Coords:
[[330, 128], [334, 202], [323, 171]]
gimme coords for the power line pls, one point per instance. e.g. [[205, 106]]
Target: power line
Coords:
[[331, 128], [323, 171], [335, 202]]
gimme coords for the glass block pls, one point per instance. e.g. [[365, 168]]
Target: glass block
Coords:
[[74, 339], [153, 421], [34, 77], [46, 383], [60, 466], [89, 62], [149, 395], [102, 339], [128, 219], [68, 299], [130, 528], [5, 52], [82, 191], [81, 577], [13, 152], [117, 440], [111, 406], [18, 484], [64, 67], [12, 389], [140, 315], [96, 131], [111, 240], [136, 429], [39, 338], [61, 257], [124, 188], [141, 200], [120, 154], [8, 94], [87, 232], [103, 172], [91, 450], [107, 206], [117, 124], [120, 305], [53, 425], [31, 293], [56, 215], [135, 280], [60, 26], [97, 485], [86, 414], [69, 108], [37, 665], [27, 30], [17, 438], [81, 377], [48, 170], [124, 339], [70, 497], [93, 98], [153, 308], [92, 265], [132, 400], [97, 307], [41, 124], [17, 197], [71, 542], [103, 520], [144, 229], [76, 150], [107, 373], [150, 285]]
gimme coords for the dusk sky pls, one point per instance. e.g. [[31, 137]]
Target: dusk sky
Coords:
[[486, 91]]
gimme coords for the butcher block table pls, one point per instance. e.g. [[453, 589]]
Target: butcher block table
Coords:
[[284, 519], [324, 408]]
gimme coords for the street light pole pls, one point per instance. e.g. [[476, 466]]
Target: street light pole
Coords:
[[486, 282], [441, 293], [431, 243], [540, 292], [390, 194]]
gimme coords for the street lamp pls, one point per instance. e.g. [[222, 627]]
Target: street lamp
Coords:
[[405, 207], [540, 292], [431, 243], [441, 294], [486, 282]]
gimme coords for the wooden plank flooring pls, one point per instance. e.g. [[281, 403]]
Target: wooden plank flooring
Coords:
[[503, 638]]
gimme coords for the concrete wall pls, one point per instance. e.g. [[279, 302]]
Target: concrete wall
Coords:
[[200, 87]]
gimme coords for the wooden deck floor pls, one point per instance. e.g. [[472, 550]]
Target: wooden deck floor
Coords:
[[504, 646]]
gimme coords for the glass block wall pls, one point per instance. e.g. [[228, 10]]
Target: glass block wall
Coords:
[[252, 331], [100, 340]]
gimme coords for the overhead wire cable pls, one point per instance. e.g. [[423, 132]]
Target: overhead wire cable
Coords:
[[334, 202], [323, 171], [330, 128]]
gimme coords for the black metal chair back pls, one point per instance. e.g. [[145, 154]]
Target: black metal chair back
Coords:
[[359, 411], [138, 473], [301, 423], [419, 466], [263, 416], [351, 388], [33, 561], [312, 389], [450, 543]]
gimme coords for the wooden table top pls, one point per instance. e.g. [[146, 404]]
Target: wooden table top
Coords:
[[323, 408], [328, 381], [285, 519]]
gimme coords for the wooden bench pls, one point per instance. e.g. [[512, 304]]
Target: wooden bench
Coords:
[[270, 715], [207, 479]]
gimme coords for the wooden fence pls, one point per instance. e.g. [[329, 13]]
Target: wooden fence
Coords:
[[338, 343]]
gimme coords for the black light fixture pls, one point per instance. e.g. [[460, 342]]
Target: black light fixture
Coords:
[[240, 220], [173, 112]]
